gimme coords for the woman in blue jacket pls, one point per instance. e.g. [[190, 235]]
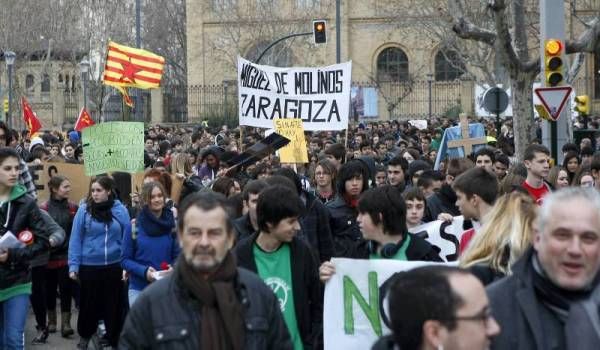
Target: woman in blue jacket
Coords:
[[151, 245], [94, 260]]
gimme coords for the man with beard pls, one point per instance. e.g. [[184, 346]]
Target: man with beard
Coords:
[[206, 302], [551, 300]]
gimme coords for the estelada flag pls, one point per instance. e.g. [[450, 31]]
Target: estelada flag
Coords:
[[31, 120], [130, 67], [84, 120]]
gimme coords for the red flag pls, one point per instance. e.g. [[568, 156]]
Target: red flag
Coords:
[[83, 121], [31, 120]]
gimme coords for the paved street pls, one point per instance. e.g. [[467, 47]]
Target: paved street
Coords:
[[55, 341]]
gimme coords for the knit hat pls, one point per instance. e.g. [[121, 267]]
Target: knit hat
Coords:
[[36, 141], [418, 165], [74, 136]]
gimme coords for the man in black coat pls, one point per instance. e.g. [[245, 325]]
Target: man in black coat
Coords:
[[206, 302], [286, 264], [552, 299]]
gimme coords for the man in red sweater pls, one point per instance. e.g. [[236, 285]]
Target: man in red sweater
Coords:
[[537, 162]]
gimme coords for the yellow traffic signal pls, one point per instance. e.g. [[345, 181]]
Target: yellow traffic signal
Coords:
[[5, 105], [553, 62], [582, 104], [319, 32]]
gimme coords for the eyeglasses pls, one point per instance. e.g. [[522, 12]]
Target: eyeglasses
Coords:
[[484, 316]]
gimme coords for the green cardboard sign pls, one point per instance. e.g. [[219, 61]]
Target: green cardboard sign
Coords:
[[113, 146]]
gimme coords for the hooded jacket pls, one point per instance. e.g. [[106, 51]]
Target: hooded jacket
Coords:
[[95, 243], [20, 212]]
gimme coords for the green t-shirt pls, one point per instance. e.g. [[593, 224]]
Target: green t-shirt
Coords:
[[400, 255], [274, 268]]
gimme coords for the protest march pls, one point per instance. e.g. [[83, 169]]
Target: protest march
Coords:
[[288, 203]]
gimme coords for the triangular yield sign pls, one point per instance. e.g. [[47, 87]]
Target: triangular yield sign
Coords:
[[553, 99]]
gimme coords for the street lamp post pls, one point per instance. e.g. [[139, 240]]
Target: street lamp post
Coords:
[[429, 82], [84, 68], [9, 58]]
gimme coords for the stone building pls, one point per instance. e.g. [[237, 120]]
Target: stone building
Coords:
[[389, 51]]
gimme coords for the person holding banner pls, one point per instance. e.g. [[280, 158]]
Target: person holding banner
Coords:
[[95, 260], [382, 221], [22, 219], [286, 263]]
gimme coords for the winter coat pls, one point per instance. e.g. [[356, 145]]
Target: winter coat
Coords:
[[62, 212], [315, 227], [96, 243], [521, 316], [21, 212], [142, 249], [57, 234], [344, 228], [166, 316]]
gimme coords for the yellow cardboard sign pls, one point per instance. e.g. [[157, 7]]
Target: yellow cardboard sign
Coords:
[[295, 151]]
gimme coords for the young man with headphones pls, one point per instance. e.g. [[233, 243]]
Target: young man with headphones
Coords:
[[382, 221]]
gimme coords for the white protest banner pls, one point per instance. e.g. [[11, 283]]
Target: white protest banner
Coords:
[[319, 96], [418, 123], [444, 235], [351, 313]]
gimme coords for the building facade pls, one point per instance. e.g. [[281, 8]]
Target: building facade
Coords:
[[390, 44]]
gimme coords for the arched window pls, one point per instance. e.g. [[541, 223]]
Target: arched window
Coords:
[[46, 83], [278, 55], [60, 78], [67, 83], [448, 65], [392, 65], [29, 81]]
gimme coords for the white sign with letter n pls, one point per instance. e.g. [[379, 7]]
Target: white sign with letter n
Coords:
[[319, 96], [351, 313]]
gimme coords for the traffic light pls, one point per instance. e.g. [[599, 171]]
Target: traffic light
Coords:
[[319, 32], [5, 105], [553, 62], [582, 104]]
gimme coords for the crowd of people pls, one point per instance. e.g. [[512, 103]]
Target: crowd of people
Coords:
[[237, 257]]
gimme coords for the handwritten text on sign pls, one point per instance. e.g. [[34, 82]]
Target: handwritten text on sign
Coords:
[[318, 96], [295, 151], [113, 146], [351, 313]]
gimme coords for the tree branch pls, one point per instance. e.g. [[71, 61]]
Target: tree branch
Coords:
[[467, 30], [588, 41]]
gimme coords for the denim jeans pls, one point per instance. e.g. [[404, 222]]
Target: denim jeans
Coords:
[[13, 315], [132, 295]]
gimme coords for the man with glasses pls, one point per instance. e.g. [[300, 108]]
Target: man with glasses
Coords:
[[438, 307], [552, 298]]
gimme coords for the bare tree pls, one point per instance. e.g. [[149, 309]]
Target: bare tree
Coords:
[[261, 22], [509, 34]]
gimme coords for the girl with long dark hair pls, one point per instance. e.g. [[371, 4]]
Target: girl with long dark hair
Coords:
[[95, 261], [20, 217]]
